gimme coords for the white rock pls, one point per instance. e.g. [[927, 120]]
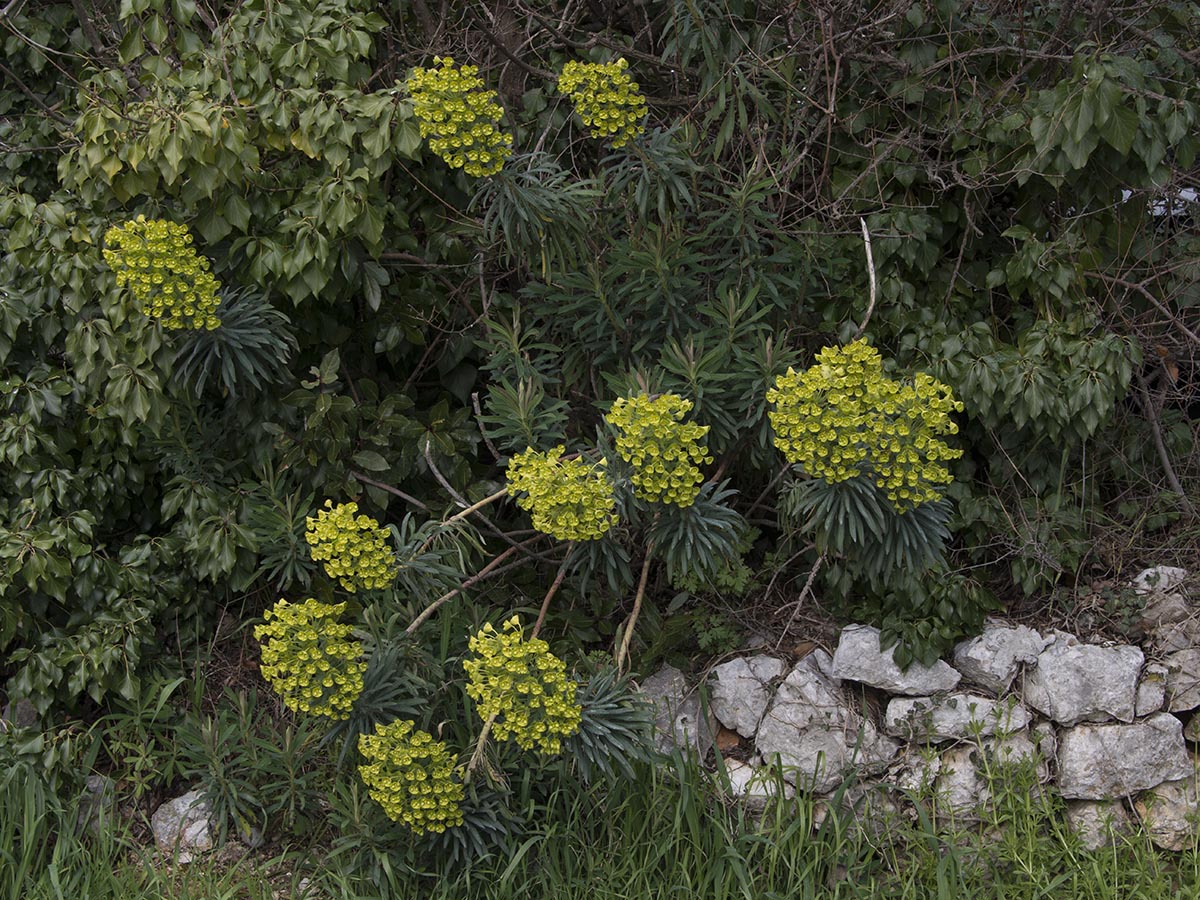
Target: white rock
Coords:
[[993, 659], [961, 789], [741, 690], [679, 721], [1076, 682], [184, 826], [1046, 738], [1173, 637], [858, 658], [1098, 824], [753, 784], [1017, 748], [1160, 579], [916, 772], [814, 734], [1183, 680], [952, 717], [1152, 690], [1103, 762], [1169, 811]]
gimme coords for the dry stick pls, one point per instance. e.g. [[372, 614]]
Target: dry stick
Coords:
[[468, 508], [477, 755], [558, 580], [637, 608], [391, 490], [799, 601], [871, 274], [479, 420], [483, 573], [1160, 444]]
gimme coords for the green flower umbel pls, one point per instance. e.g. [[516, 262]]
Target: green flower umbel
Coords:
[[843, 417], [353, 548], [169, 279], [412, 777], [606, 99], [459, 117], [522, 688], [568, 499], [309, 659], [664, 450]]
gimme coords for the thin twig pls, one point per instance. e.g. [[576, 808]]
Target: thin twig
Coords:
[[1145, 292], [483, 573], [479, 421], [407, 498], [1156, 430], [558, 580], [799, 601], [871, 273], [623, 653]]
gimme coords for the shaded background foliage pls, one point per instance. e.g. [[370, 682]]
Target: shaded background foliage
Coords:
[[394, 329]]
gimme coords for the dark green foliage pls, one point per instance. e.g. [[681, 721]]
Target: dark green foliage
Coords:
[[251, 348], [614, 733], [392, 689], [924, 615], [853, 522], [255, 774], [700, 538]]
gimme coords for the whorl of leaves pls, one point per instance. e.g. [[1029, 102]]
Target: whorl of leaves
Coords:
[[614, 732], [854, 520], [701, 537], [250, 350], [489, 826], [391, 690]]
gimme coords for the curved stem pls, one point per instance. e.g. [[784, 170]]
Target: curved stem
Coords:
[[558, 580], [483, 573], [623, 653]]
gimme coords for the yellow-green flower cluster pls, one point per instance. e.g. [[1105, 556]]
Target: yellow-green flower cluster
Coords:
[[168, 278], [522, 687], [459, 117], [412, 777], [664, 450], [843, 417], [569, 499], [310, 659], [607, 100], [352, 548]]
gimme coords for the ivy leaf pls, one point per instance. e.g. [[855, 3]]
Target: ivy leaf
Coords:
[[1120, 129]]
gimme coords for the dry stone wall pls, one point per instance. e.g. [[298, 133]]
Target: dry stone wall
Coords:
[[1112, 727]]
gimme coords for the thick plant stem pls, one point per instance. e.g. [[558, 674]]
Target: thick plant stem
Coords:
[[871, 274], [483, 573], [477, 754], [558, 580], [623, 653]]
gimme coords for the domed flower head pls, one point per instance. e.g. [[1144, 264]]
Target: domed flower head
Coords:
[[606, 99], [169, 280], [412, 776], [522, 688], [309, 658], [353, 548], [663, 449], [569, 499], [843, 417], [459, 117]]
